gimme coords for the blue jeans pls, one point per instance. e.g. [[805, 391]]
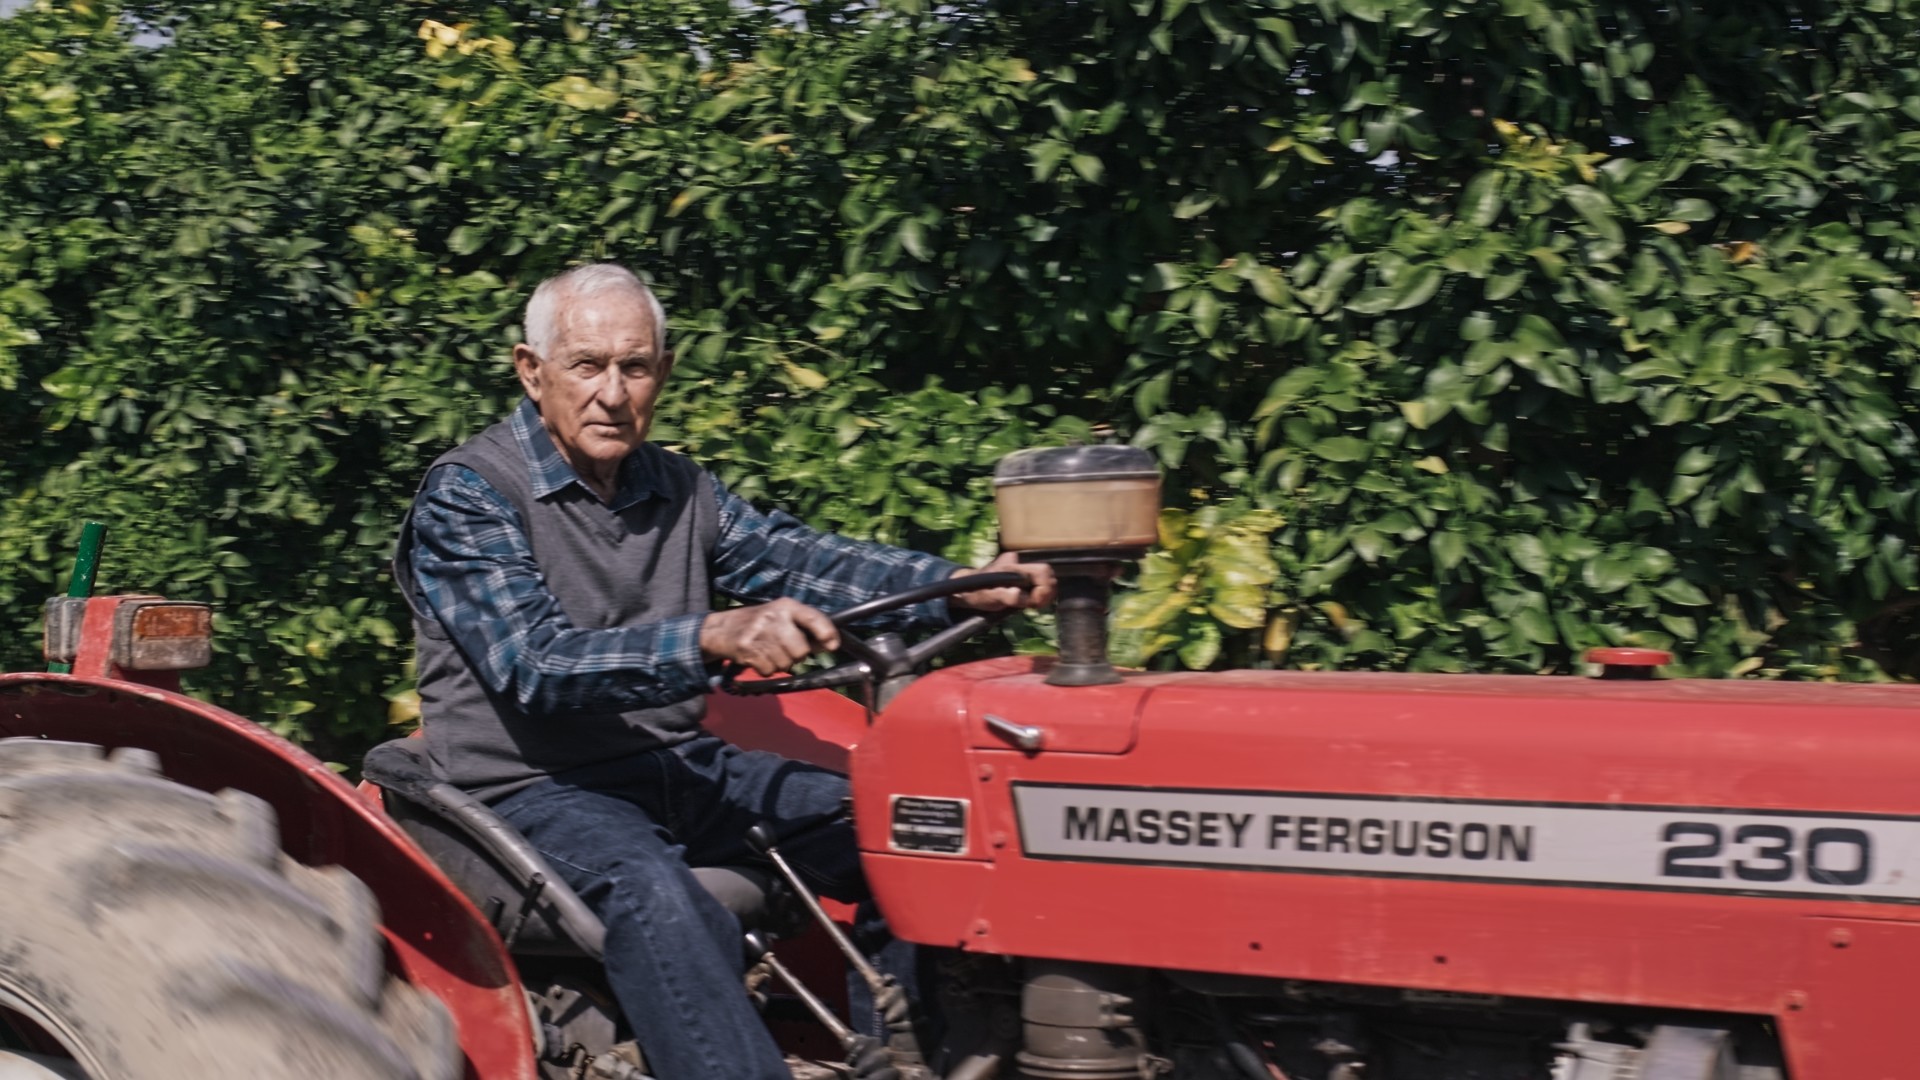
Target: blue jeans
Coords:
[[673, 954]]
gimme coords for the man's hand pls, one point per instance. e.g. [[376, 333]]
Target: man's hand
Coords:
[[1038, 593], [769, 638]]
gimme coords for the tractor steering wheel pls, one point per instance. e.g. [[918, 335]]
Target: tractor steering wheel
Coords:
[[884, 656]]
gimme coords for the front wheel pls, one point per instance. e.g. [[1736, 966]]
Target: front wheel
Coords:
[[152, 931]]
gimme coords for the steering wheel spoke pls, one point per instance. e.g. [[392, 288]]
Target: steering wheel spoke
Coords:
[[928, 648], [838, 675], [883, 657], [860, 649]]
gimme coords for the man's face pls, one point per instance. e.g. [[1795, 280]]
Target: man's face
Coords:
[[597, 386]]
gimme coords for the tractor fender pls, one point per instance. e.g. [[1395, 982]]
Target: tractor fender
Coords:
[[815, 726], [437, 940]]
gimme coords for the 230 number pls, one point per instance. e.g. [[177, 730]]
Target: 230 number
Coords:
[[1767, 853]]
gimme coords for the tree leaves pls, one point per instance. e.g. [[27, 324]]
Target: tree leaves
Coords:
[[1584, 354], [1213, 568], [1529, 554], [1480, 202], [1343, 448], [577, 92]]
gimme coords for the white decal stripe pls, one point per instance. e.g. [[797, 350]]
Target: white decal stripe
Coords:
[[1826, 855]]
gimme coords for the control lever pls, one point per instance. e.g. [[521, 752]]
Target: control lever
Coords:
[[759, 953], [760, 838], [1026, 737], [889, 998]]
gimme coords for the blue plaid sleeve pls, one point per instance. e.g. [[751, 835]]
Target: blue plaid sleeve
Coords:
[[477, 575], [763, 556]]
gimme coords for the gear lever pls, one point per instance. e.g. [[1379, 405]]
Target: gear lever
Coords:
[[759, 953], [760, 838], [889, 998]]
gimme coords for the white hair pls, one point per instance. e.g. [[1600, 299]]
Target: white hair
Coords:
[[541, 326]]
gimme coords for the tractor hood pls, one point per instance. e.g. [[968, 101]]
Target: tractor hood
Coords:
[[1530, 738], [1402, 830]]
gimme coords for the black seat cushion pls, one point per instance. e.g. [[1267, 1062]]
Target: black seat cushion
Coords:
[[533, 909], [742, 890]]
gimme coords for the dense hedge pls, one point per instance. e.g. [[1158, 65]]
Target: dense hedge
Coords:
[[1471, 334]]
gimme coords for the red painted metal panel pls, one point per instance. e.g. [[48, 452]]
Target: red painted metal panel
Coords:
[[1658, 949], [1781, 747], [1082, 720], [1681, 743], [818, 726], [920, 747], [1851, 1020], [439, 941]]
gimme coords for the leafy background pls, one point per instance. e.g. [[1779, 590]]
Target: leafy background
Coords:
[[1470, 335]]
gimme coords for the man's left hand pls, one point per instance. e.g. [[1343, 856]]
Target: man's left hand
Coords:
[[1038, 593]]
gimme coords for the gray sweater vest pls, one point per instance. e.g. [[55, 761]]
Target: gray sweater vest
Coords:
[[647, 563]]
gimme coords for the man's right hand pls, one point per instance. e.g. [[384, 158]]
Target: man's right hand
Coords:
[[769, 638]]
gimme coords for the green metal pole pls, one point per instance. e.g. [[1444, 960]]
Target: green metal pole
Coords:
[[93, 536]]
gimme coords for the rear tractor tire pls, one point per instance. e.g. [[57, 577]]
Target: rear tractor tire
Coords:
[[157, 932]]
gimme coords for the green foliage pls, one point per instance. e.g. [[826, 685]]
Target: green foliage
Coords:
[[1204, 592], [1513, 328]]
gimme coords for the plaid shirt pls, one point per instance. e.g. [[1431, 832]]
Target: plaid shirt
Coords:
[[476, 573]]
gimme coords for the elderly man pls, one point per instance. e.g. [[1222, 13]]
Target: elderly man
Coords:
[[562, 569]]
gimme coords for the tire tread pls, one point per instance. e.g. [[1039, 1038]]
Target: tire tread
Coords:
[[177, 940]]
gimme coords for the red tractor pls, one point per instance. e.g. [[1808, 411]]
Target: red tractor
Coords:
[[1247, 875]]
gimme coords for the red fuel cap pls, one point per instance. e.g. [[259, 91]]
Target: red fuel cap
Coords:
[[1627, 662]]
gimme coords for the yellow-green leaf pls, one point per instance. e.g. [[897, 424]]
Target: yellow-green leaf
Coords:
[[1243, 607], [404, 708], [1147, 610], [687, 198], [807, 377], [1279, 636], [1203, 648], [576, 92], [1173, 529]]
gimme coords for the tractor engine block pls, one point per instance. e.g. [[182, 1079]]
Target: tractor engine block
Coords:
[[1051, 1020]]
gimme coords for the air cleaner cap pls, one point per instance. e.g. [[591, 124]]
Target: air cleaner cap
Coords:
[[1082, 498], [1067, 464]]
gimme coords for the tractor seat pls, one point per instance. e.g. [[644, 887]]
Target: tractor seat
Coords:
[[530, 906]]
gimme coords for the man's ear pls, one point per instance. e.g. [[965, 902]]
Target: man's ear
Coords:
[[526, 364], [666, 363]]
